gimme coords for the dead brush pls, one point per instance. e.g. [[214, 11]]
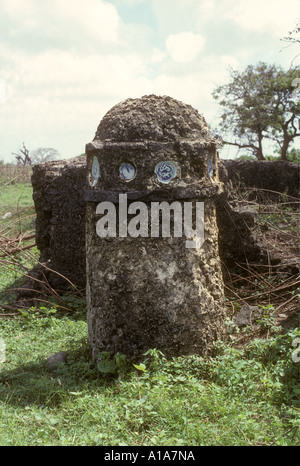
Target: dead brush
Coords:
[[258, 284], [277, 230], [18, 254]]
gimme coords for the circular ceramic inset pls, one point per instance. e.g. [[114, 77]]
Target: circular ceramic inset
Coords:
[[165, 171], [95, 171], [127, 171], [210, 168]]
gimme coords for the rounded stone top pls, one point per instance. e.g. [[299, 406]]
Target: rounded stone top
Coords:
[[154, 118]]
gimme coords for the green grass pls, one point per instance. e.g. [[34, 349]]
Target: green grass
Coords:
[[246, 396], [239, 397], [17, 200]]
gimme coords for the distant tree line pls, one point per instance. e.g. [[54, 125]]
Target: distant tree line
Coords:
[[42, 154]]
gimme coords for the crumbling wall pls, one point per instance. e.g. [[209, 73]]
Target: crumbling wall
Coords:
[[58, 189], [277, 176], [58, 193]]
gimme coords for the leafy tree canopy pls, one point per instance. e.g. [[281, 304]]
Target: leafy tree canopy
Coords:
[[260, 103]]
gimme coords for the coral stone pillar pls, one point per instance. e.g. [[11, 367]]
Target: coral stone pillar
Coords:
[[153, 269]]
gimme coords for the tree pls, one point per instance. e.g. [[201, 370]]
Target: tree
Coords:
[[294, 35], [259, 106], [286, 123], [23, 159], [294, 155], [43, 154]]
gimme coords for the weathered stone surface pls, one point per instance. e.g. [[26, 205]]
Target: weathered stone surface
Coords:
[[277, 176], [146, 131], [150, 292], [247, 316], [153, 118], [237, 240], [66, 180], [54, 361], [58, 189]]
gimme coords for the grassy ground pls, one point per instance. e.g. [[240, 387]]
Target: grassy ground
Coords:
[[17, 231], [247, 393], [16, 209], [239, 397]]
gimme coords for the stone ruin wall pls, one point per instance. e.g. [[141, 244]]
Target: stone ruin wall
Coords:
[[58, 189], [58, 193], [277, 176]]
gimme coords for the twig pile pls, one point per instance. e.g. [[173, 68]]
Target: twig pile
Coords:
[[278, 233], [10, 246], [17, 255]]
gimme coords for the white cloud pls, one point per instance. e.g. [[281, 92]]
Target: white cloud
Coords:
[[2, 91], [99, 18], [275, 17], [23, 14], [64, 63], [19, 8], [72, 19], [131, 2], [65, 75], [61, 96], [185, 46], [195, 87], [186, 88], [270, 16], [174, 16], [157, 56]]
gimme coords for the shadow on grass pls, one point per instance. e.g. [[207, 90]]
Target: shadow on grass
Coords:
[[18, 296], [33, 384]]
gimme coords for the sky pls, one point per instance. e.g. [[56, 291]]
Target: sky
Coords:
[[65, 63]]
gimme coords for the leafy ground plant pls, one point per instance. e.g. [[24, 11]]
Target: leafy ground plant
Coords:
[[239, 397], [243, 395]]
